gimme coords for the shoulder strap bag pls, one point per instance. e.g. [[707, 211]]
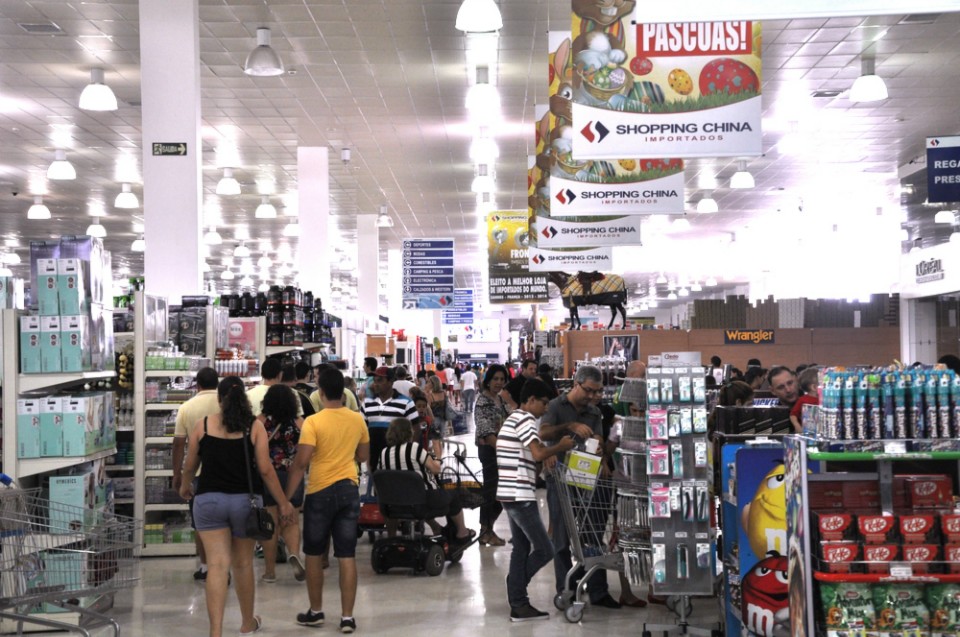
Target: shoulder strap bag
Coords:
[[260, 524]]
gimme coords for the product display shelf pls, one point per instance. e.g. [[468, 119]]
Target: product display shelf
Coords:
[[24, 383], [876, 460], [120, 467], [158, 473], [162, 406], [167, 507], [168, 373], [158, 440]]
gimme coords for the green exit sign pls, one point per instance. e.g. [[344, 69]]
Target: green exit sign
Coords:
[[175, 148]]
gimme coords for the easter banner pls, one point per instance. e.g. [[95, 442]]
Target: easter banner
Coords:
[[586, 187], [510, 280], [654, 90], [571, 260]]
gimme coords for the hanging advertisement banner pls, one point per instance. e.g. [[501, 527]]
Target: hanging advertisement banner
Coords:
[[943, 169], [652, 90], [698, 10], [427, 274], [561, 233], [461, 312], [510, 280], [577, 187], [571, 260]]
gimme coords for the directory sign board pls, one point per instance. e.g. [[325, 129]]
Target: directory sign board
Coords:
[[461, 312], [427, 274]]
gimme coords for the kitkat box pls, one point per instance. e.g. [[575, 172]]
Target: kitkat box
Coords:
[[879, 556], [920, 556], [837, 556], [919, 529], [877, 529], [950, 525], [861, 495], [929, 492], [835, 527], [951, 554]]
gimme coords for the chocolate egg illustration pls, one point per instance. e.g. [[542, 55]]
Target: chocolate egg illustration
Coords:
[[726, 75], [680, 81]]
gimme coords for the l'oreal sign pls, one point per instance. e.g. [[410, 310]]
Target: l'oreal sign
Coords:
[[929, 270]]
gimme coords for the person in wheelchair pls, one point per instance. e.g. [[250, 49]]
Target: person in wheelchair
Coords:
[[405, 454]]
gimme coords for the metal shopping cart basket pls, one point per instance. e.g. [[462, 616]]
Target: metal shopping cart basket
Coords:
[[587, 504], [55, 557], [462, 475]]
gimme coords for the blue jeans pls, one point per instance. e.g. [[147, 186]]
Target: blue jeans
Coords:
[[597, 586], [532, 549], [332, 512], [468, 398]]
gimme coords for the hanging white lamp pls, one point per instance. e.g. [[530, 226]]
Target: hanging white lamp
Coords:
[[869, 87], [96, 95], [265, 210], [479, 16], [212, 237], [228, 186], [384, 220], [126, 199], [241, 251], [38, 210], [742, 178], [96, 230], [707, 205], [61, 169], [138, 245], [263, 61]]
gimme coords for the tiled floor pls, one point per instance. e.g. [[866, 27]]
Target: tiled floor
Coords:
[[466, 599]]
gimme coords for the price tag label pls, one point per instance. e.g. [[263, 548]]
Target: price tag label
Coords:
[[902, 570], [895, 446]]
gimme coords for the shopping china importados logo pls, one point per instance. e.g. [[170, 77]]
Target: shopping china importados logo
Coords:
[[594, 132], [566, 196], [549, 232], [537, 258]]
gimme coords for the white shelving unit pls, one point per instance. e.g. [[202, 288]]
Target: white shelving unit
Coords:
[[16, 384]]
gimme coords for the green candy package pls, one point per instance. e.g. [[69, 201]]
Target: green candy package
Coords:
[[943, 601], [901, 610], [847, 609]]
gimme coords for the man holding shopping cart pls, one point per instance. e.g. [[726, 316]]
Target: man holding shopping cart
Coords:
[[573, 413]]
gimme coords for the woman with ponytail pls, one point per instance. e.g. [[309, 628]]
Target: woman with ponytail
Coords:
[[222, 503]]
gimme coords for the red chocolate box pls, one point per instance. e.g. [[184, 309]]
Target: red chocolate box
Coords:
[[950, 525], [877, 529], [930, 492], [835, 527], [880, 555], [951, 553], [920, 556], [837, 556], [919, 529]]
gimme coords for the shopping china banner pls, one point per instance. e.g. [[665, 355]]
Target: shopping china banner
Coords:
[[510, 280], [652, 90], [571, 260], [586, 187], [605, 231]]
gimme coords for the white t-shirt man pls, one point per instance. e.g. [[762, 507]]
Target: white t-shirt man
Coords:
[[468, 380], [451, 376], [403, 386]]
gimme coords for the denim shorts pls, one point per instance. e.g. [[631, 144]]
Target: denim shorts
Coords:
[[332, 512], [296, 500], [214, 510]]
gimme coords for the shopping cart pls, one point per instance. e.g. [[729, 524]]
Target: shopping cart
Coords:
[[55, 558], [462, 475], [587, 504]]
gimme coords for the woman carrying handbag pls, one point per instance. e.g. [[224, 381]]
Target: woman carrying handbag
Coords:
[[221, 443]]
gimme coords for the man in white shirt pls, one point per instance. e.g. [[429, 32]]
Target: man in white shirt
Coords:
[[271, 372], [468, 389], [403, 383]]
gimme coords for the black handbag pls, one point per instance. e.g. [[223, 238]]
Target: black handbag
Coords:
[[260, 524]]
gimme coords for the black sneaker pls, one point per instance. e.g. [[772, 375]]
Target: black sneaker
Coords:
[[527, 613], [310, 618], [348, 625], [200, 575]]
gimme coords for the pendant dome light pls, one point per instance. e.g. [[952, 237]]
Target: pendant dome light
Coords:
[[38, 210], [265, 210], [139, 245], [479, 16], [61, 169], [212, 237], [384, 220], [742, 178], [96, 230], [263, 61], [126, 199], [97, 96], [228, 185], [869, 87]]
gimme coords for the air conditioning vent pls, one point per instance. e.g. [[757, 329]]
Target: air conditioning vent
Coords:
[[41, 28], [919, 18], [826, 93]]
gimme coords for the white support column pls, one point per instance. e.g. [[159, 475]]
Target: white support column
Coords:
[[172, 185], [918, 331], [368, 269], [313, 192]]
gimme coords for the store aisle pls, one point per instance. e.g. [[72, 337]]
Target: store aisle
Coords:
[[466, 599]]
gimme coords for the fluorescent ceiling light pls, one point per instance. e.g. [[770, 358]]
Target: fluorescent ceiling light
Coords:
[[484, 150], [264, 262], [265, 210], [228, 185], [139, 245], [672, 296], [483, 182], [681, 224], [205, 267], [711, 282], [384, 220], [707, 205], [661, 280], [246, 282], [483, 100], [97, 96], [126, 198], [96, 230], [11, 258], [955, 237], [212, 237], [479, 16], [683, 292], [945, 216], [869, 87], [263, 287], [226, 275], [241, 251], [696, 287], [61, 169], [263, 61], [742, 178], [293, 229], [38, 210]]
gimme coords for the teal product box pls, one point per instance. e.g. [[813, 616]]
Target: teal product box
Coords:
[[101, 338], [51, 427], [47, 292], [78, 426], [75, 343], [30, 345], [77, 494], [28, 428], [70, 286], [64, 569], [50, 348], [97, 279]]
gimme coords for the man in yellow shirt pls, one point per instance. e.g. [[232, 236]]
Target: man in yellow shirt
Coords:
[[332, 443], [204, 404]]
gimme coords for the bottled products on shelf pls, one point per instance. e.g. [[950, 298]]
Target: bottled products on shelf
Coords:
[[293, 317]]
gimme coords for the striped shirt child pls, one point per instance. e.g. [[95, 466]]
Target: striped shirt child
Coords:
[[515, 463]]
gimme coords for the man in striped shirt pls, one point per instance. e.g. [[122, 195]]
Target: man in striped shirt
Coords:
[[518, 450], [380, 409]]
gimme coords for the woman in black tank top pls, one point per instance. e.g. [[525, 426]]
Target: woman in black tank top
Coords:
[[222, 499]]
